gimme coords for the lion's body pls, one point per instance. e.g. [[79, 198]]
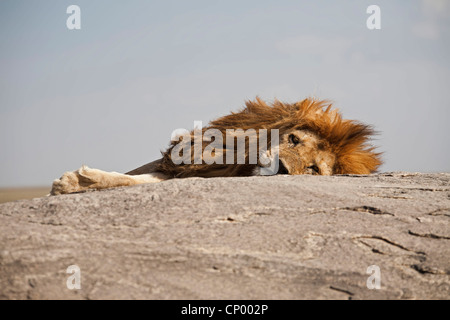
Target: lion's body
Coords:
[[311, 140]]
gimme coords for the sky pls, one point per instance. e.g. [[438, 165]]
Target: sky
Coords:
[[110, 94]]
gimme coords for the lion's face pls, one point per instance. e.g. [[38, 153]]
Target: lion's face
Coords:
[[303, 152]]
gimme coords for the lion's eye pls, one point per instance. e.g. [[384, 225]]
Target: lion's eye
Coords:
[[315, 169], [293, 139]]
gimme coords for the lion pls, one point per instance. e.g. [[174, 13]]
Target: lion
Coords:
[[313, 138]]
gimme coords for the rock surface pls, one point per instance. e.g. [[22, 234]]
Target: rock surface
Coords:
[[281, 237]]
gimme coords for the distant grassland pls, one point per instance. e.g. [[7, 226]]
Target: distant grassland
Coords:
[[13, 194]]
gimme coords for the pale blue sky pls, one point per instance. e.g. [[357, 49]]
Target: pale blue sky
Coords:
[[110, 95]]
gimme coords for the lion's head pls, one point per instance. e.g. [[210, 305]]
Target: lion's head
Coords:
[[304, 152]]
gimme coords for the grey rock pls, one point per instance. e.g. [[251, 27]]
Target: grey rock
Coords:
[[280, 237]]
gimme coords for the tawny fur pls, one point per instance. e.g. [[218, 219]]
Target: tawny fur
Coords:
[[314, 138]]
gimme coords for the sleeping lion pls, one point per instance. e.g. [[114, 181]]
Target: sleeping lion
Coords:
[[311, 138]]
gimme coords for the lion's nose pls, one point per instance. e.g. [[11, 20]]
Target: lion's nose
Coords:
[[313, 169]]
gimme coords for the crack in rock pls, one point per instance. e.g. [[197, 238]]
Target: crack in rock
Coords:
[[428, 235], [427, 270], [389, 197], [342, 290], [390, 242], [368, 209], [416, 188], [438, 212]]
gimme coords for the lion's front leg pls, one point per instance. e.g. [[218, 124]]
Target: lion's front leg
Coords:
[[86, 178]]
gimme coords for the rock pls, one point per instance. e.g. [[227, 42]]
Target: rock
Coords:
[[280, 237]]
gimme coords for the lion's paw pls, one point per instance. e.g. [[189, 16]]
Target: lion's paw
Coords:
[[75, 181]]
